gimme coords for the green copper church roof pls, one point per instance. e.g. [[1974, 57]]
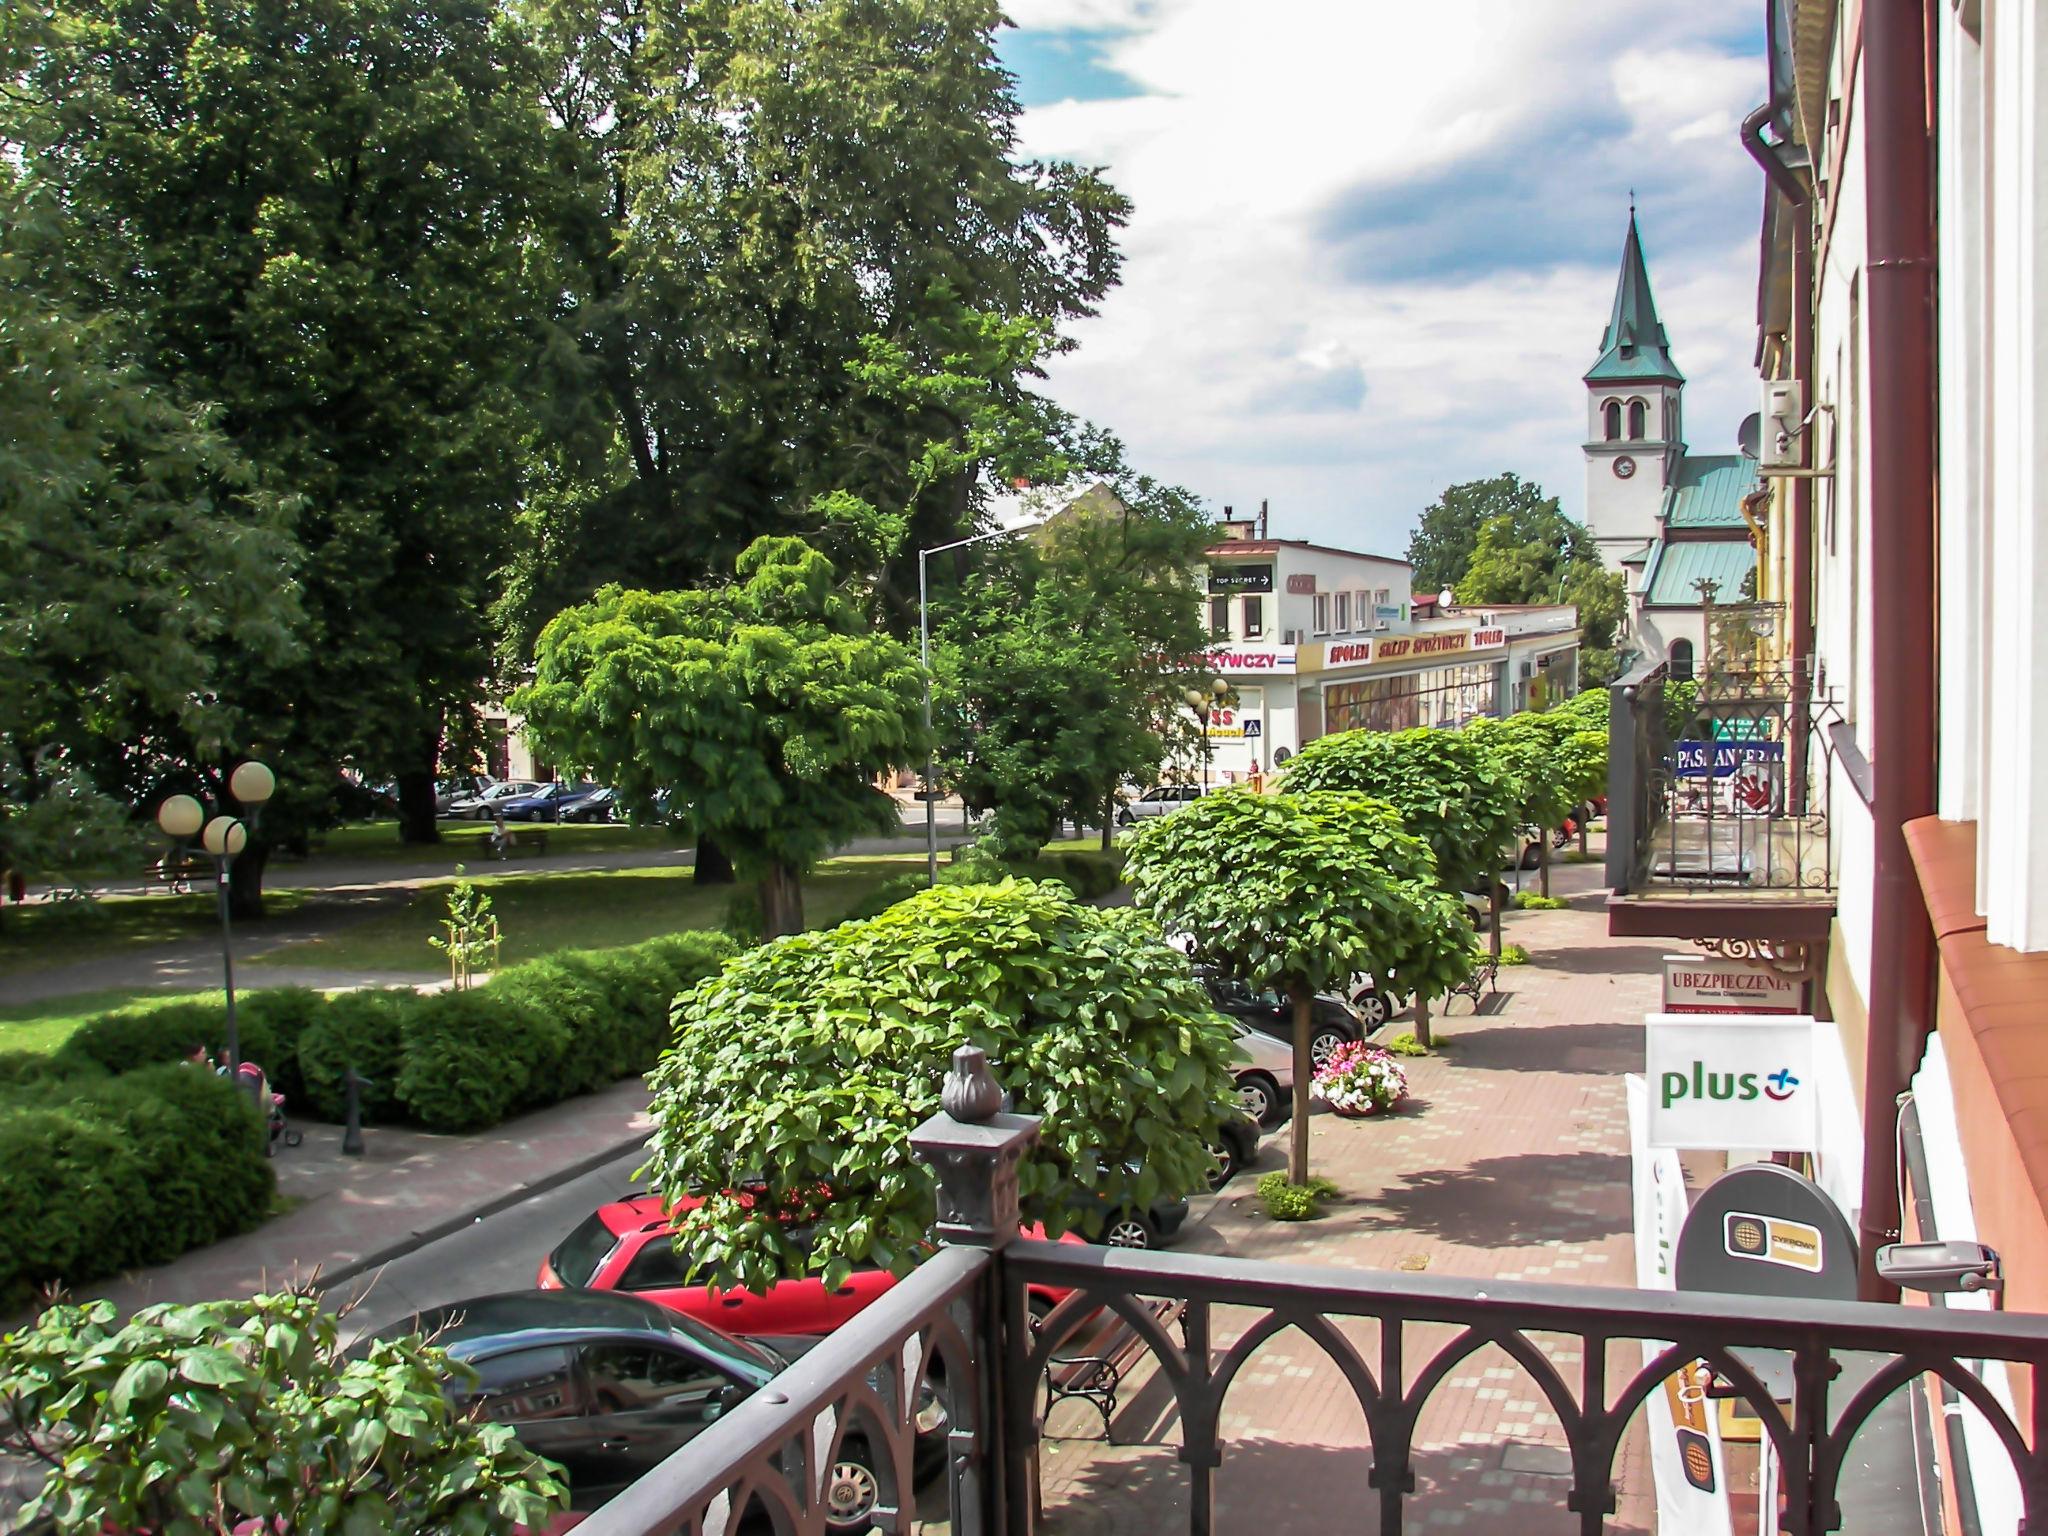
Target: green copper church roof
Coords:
[[1708, 489], [1679, 567], [1634, 347]]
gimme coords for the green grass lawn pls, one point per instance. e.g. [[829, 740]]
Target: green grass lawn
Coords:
[[54, 933], [539, 914], [462, 842], [46, 1025]]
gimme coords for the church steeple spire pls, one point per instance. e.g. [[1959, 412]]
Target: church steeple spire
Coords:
[[1634, 346]]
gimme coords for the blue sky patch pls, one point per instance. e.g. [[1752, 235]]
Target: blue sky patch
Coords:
[[1064, 65]]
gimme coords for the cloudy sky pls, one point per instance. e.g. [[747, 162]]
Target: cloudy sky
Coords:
[[1375, 242]]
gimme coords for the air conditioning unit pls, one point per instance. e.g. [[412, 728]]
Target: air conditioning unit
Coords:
[[1784, 424]]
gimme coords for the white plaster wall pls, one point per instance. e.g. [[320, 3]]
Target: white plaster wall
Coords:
[[1853, 846]]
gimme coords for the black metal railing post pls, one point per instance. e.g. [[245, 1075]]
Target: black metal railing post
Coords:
[[975, 1148]]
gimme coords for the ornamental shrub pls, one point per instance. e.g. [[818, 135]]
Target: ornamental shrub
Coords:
[[365, 1030], [1529, 901], [1285, 1201], [809, 1061], [471, 1059], [128, 1039], [285, 1013]]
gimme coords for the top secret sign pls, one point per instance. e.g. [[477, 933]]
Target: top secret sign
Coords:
[[1696, 984]]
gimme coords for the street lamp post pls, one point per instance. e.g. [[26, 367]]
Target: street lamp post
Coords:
[[924, 658], [222, 837], [1204, 704]]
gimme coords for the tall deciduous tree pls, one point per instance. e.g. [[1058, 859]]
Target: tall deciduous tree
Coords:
[[1300, 892], [1448, 790], [1448, 536], [768, 706], [311, 212], [753, 187]]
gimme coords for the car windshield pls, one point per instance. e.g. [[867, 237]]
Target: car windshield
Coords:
[[583, 1252], [742, 1357]]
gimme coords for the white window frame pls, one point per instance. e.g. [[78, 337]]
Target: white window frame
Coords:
[[1245, 607], [1322, 613], [1341, 614]]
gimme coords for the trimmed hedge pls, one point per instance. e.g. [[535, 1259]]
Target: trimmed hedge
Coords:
[[364, 1030], [126, 1041], [109, 1173], [471, 1058]]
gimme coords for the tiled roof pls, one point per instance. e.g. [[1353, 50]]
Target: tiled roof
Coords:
[[1673, 577], [1708, 489]]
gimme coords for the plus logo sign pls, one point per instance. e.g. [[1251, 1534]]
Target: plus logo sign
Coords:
[[1779, 1084]]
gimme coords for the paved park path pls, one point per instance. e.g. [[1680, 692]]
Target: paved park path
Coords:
[[1509, 1162]]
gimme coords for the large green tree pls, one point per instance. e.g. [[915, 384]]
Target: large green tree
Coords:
[[1449, 790], [1447, 538], [799, 1072], [313, 214], [767, 706], [1300, 892], [1058, 660], [752, 188]]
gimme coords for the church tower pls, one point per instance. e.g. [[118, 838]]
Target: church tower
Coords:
[[1635, 433]]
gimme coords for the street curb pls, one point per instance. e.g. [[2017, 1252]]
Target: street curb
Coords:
[[327, 1280]]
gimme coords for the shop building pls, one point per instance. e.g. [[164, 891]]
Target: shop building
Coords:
[[1315, 640]]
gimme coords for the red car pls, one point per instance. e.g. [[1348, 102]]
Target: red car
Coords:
[[629, 1246]]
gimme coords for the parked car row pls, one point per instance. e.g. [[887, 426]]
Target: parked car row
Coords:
[[525, 800]]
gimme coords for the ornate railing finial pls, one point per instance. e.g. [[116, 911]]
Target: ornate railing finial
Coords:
[[971, 1093]]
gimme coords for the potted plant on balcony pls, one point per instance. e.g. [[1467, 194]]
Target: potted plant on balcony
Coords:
[[1357, 1080]]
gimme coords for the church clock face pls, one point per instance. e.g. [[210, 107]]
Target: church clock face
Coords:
[[1624, 467]]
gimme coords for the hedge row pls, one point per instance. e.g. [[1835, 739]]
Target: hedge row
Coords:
[[100, 1174]]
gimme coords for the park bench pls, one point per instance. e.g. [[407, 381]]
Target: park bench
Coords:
[[530, 842], [1484, 977], [175, 874], [1097, 1378]]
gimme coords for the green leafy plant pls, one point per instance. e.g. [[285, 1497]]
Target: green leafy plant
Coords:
[[1288, 1201], [1405, 1044], [1514, 954], [471, 933], [807, 1063], [1300, 892], [470, 1059], [196, 1419], [1529, 901]]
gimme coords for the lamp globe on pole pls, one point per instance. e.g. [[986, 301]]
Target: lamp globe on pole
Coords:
[[224, 837], [180, 816], [252, 784]]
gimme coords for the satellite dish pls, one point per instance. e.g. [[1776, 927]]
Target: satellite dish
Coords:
[[1749, 436]]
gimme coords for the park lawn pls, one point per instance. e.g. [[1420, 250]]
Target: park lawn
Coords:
[[45, 1025], [462, 842], [51, 933], [540, 914]]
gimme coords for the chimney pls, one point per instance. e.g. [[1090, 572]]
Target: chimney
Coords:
[[1262, 517]]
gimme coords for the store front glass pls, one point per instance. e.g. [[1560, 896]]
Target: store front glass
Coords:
[[1444, 696]]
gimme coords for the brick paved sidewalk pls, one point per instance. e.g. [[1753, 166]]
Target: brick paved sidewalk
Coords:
[[1510, 1162]]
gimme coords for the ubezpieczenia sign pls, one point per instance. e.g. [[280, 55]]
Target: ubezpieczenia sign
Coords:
[[1696, 985], [1731, 1082]]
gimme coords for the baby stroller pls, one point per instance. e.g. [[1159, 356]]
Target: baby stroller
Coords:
[[256, 1083]]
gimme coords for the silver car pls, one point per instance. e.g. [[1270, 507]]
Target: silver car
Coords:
[[1265, 1079], [1157, 802], [478, 807]]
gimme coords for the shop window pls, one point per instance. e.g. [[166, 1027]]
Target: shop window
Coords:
[[1613, 414], [1638, 419], [1322, 613], [1342, 622], [1254, 618], [1219, 617], [1681, 661]]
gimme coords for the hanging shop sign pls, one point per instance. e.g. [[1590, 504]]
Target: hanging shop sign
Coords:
[[1767, 1230], [1302, 584], [1252, 658], [1240, 578], [1731, 1082], [1386, 613], [1690, 760], [1693, 984]]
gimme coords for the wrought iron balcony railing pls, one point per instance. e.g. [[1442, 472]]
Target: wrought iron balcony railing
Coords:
[[961, 1323]]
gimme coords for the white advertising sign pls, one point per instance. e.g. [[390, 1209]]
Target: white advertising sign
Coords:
[[1686, 1462], [1694, 984], [1252, 658], [1731, 1082]]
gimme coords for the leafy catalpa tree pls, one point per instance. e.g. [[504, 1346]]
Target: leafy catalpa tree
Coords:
[[799, 1072], [1300, 892], [767, 706], [1448, 789], [247, 1415]]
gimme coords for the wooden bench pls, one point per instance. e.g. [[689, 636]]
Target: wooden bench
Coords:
[[529, 841], [1097, 1378], [1484, 978], [176, 875]]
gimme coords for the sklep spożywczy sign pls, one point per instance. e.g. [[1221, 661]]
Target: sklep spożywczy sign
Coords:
[[1731, 1082]]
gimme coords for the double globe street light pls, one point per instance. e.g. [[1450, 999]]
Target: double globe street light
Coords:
[[222, 837], [1204, 705]]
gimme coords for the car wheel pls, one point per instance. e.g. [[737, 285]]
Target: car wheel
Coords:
[[1371, 1009], [1129, 1230], [1126, 819], [1259, 1097], [852, 1490], [1323, 1042], [1531, 856], [1226, 1166]]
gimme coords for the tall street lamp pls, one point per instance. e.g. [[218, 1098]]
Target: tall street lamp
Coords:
[[222, 837], [1204, 705], [924, 657]]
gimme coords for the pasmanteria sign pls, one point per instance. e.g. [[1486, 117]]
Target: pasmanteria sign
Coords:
[[1731, 1082]]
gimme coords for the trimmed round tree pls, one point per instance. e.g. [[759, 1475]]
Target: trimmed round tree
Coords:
[[798, 1073], [1526, 750], [1300, 892]]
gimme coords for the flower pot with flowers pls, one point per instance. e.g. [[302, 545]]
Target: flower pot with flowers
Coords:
[[1358, 1080]]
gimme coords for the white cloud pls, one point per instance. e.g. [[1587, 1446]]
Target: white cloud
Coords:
[[1374, 244]]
